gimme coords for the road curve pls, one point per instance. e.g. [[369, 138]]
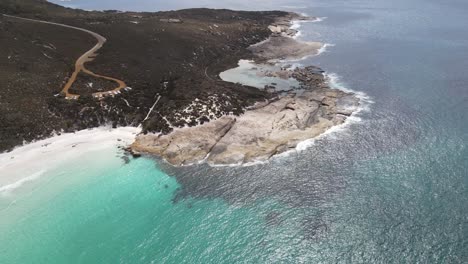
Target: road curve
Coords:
[[79, 64]]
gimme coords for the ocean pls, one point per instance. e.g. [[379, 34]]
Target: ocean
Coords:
[[389, 187]]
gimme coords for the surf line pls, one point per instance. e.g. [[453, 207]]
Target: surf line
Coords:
[[88, 56]]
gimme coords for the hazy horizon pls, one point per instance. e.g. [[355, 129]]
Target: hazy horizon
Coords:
[[160, 5]]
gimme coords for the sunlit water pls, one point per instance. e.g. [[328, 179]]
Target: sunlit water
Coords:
[[391, 188]]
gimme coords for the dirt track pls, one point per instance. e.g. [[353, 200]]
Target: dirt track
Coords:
[[80, 62]]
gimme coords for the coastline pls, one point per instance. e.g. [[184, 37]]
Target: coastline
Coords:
[[311, 96], [188, 54], [45, 155], [242, 140], [389, 184]]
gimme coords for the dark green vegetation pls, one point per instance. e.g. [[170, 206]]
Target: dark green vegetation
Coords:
[[177, 61]]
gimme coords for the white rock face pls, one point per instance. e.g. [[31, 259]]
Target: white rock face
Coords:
[[257, 135], [185, 145]]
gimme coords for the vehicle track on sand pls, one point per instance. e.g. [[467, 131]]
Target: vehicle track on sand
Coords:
[[80, 62]]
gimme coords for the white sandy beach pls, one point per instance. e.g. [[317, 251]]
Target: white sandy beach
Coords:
[[29, 162]]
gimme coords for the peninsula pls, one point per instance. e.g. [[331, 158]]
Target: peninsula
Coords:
[[269, 127], [64, 70]]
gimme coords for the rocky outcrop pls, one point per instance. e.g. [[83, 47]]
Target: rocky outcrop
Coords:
[[281, 45], [282, 25], [269, 129], [285, 48], [277, 127], [185, 145]]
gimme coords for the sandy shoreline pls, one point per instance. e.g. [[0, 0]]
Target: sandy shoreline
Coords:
[[28, 163]]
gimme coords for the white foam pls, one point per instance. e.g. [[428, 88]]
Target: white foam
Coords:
[[318, 19], [297, 24], [365, 101], [298, 34], [334, 81], [4, 190], [324, 48], [29, 162]]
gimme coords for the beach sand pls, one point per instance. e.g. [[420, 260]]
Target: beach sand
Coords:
[[29, 162]]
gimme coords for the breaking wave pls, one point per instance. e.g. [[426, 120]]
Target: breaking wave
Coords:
[[10, 187]]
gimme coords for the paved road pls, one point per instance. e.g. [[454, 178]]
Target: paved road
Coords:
[[80, 62]]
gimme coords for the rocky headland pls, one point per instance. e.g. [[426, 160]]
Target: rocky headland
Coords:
[[171, 64], [269, 127]]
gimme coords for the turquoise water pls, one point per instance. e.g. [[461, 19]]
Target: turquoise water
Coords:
[[117, 213], [127, 213], [392, 188]]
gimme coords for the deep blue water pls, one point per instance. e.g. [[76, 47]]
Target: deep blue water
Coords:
[[392, 188]]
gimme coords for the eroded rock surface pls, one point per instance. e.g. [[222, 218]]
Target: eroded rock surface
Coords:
[[257, 135], [185, 145], [270, 127], [285, 48]]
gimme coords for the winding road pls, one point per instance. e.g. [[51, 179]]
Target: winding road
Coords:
[[80, 62]]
